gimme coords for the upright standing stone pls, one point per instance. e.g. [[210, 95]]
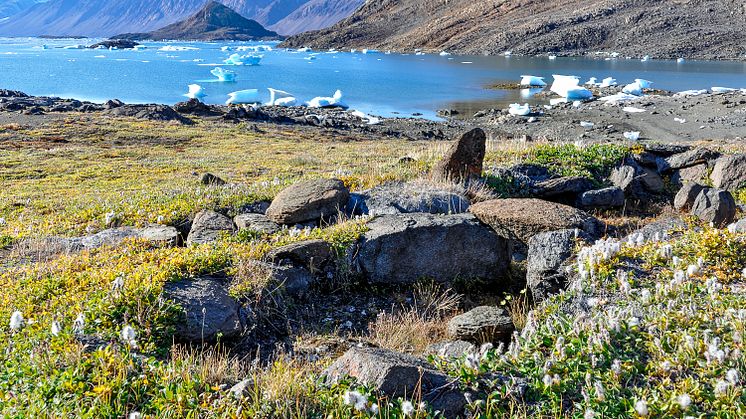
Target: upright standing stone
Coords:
[[465, 158]]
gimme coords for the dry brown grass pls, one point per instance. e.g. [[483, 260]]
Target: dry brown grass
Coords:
[[212, 365]]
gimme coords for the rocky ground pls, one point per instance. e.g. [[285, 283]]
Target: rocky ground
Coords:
[[239, 262]]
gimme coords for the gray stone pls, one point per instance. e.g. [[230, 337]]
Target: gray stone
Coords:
[[636, 181], [451, 349], [256, 222], [211, 180], [715, 206], [208, 226], [481, 324], [308, 201], [547, 256], [739, 226], [562, 187], [729, 172], [465, 157], [686, 159], [242, 388], [602, 198], [293, 280], [399, 198], [313, 254], [684, 199], [209, 312], [156, 234], [651, 180], [402, 248], [661, 228], [397, 375], [696, 173], [520, 219]]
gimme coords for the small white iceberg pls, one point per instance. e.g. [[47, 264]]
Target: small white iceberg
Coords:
[[280, 98], [722, 89], [508, 53], [304, 49], [327, 102], [637, 87], [552, 57], [77, 46], [586, 125], [225, 76], [532, 81], [174, 48], [225, 48], [372, 120], [608, 82], [680, 61], [591, 82], [444, 54], [238, 59], [645, 58], [631, 109], [195, 92], [632, 135], [568, 88], [519, 110], [243, 97]]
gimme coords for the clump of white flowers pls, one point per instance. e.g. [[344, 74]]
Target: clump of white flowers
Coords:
[[129, 336], [641, 407], [79, 324], [355, 399], [16, 321], [55, 329], [407, 408], [684, 401]]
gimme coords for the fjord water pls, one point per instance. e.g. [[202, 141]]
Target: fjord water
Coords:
[[377, 83]]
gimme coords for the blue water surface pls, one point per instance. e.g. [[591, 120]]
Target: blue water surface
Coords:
[[377, 83]]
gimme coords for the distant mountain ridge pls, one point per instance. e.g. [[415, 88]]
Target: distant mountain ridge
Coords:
[[708, 29], [213, 22], [104, 18], [11, 7]]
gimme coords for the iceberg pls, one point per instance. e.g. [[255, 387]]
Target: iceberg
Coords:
[[532, 81], [328, 102], [632, 135], [722, 90], [77, 46], [681, 61], [254, 48], [646, 84], [567, 87], [637, 87], [238, 59], [508, 53], [195, 92], [444, 54], [304, 49], [645, 58], [519, 110], [369, 51], [608, 82], [243, 96], [139, 47], [631, 109], [223, 75], [591, 82], [552, 57], [173, 48], [225, 48], [280, 98], [372, 120]]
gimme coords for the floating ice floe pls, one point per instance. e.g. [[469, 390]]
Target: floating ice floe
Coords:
[[681, 61], [327, 102], [508, 53], [717, 89], [254, 48], [632, 135], [372, 120], [223, 75], [243, 97], [225, 48], [567, 87], [238, 59], [77, 46], [608, 82], [304, 49], [586, 125], [519, 110], [631, 109], [195, 92], [139, 47], [174, 48], [532, 81], [645, 58], [370, 51], [591, 82], [552, 57], [444, 54], [280, 98]]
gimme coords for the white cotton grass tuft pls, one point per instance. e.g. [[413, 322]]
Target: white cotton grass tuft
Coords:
[[56, 329], [129, 336], [407, 408], [733, 376], [641, 407], [16, 321], [684, 400], [135, 415], [79, 324]]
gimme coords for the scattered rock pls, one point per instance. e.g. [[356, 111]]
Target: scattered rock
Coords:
[[661, 228], [256, 222], [636, 181], [210, 179], [684, 199], [198, 108], [695, 173], [115, 43], [149, 112], [715, 206], [403, 248], [313, 254], [482, 324], [729, 172], [209, 312], [294, 280], [689, 158], [308, 201], [156, 234], [113, 103], [567, 188], [451, 349], [398, 198], [520, 219], [208, 226], [547, 254], [465, 158], [398, 375], [242, 388], [602, 198]]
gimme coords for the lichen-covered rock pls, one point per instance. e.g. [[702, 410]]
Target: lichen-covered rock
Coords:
[[729, 172], [481, 324], [547, 256], [313, 254], [259, 223], [451, 349], [686, 159], [465, 158], [308, 201], [400, 198], [602, 198], [520, 219], [715, 206], [208, 226], [402, 248], [684, 199]]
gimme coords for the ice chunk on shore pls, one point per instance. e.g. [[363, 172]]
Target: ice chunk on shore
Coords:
[[243, 96], [519, 110], [681, 61], [645, 58], [223, 75], [508, 53], [586, 125], [637, 87], [608, 82], [632, 135], [567, 87], [444, 54], [552, 57], [692, 92], [631, 109], [680, 120], [618, 97], [532, 81], [238, 59], [328, 102], [280, 98], [195, 92], [722, 90], [372, 120], [591, 82]]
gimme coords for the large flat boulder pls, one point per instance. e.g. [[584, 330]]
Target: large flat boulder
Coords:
[[393, 374], [259, 223], [209, 312], [729, 172], [689, 158], [313, 254], [465, 157], [207, 227], [401, 198], [481, 324], [157, 234], [403, 248], [685, 197], [308, 201], [521, 219]]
